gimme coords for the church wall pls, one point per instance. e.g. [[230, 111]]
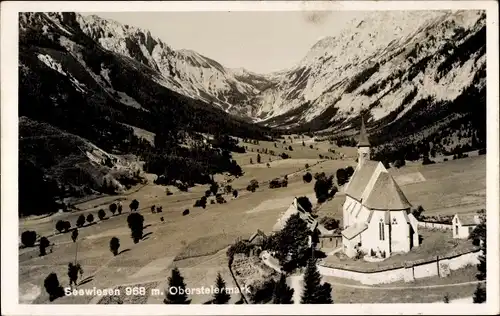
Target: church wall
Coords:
[[400, 231], [371, 238]]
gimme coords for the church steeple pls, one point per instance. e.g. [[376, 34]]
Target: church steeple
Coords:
[[363, 137], [363, 144]]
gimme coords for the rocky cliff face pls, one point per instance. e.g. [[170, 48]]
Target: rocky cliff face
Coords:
[[383, 64]]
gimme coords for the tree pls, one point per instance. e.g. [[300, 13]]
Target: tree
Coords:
[[52, 286], [44, 243], [66, 226], [251, 161], [176, 293], [90, 218], [112, 208], [341, 176], [417, 213], [235, 193], [208, 193], [291, 245], [134, 205], [101, 214], [60, 226], [120, 208], [307, 178], [80, 221], [282, 293], [220, 295], [28, 238], [73, 270], [214, 188], [136, 224], [322, 187], [74, 235], [478, 236], [114, 245], [479, 294], [258, 158], [315, 292]]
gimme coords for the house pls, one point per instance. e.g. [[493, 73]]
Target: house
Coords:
[[257, 238], [295, 208], [328, 238], [463, 225], [376, 213]]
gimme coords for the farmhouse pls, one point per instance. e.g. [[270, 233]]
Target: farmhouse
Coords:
[[376, 213], [463, 225], [295, 208]]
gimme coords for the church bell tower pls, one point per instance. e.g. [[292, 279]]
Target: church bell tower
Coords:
[[363, 144]]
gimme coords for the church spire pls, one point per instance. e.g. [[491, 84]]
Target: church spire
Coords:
[[363, 136]]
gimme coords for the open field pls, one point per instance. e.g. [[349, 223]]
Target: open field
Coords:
[[196, 243]]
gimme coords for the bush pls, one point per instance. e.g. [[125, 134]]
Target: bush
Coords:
[[235, 193], [214, 188], [220, 199], [112, 208], [53, 287], [372, 253], [60, 226], [74, 235], [330, 223], [254, 185], [159, 209], [311, 146], [28, 238], [185, 212], [134, 205], [90, 218], [278, 183], [284, 156], [80, 221], [399, 163], [307, 178], [208, 193], [201, 202], [101, 214], [44, 243]]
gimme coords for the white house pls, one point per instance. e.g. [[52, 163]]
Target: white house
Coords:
[[376, 213], [463, 225]]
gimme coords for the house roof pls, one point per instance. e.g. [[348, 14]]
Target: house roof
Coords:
[[354, 230], [258, 233], [360, 178], [295, 208], [363, 136], [386, 195], [468, 220]]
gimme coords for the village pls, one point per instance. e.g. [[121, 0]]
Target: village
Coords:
[[380, 237]]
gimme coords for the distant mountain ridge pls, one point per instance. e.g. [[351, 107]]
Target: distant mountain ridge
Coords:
[[388, 54]]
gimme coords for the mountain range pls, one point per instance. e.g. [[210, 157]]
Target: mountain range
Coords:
[[412, 74]]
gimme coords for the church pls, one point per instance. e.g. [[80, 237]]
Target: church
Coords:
[[376, 214]]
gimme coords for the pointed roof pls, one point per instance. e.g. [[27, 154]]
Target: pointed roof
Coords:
[[363, 136], [386, 195]]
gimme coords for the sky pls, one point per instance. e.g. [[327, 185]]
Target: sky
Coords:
[[261, 42]]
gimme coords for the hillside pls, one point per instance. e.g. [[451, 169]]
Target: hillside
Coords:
[[70, 84]]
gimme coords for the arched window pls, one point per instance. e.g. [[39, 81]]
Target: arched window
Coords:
[[381, 230]]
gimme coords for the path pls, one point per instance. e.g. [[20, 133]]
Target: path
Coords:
[[296, 284]]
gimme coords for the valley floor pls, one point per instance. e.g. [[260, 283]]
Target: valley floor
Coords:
[[197, 243]]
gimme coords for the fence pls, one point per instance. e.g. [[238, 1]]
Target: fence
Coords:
[[440, 226], [408, 272]]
